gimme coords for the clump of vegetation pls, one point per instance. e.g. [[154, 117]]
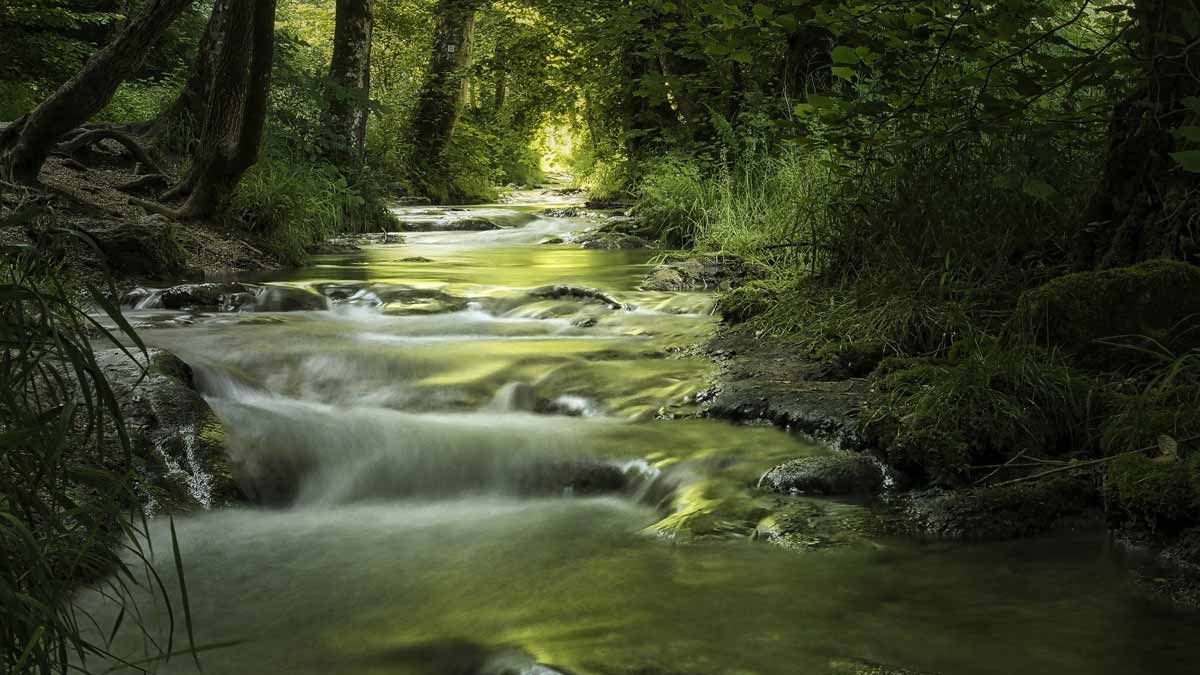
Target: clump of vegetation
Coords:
[[937, 419], [69, 513], [292, 204]]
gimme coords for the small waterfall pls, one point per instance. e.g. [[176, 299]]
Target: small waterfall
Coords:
[[289, 451]]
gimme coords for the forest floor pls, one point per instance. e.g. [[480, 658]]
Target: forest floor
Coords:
[[89, 211]]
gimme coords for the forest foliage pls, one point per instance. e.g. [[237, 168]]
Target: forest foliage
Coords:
[[917, 176]]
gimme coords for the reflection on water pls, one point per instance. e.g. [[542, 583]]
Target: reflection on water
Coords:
[[459, 476]]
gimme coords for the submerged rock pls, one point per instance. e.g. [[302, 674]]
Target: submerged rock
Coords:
[[178, 442], [1157, 301], [563, 291], [839, 474], [701, 273], [802, 525]]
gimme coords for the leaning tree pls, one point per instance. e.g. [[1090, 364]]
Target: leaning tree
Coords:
[[26, 143]]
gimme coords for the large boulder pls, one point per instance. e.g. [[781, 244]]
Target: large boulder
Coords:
[[1157, 300], [178, 442]]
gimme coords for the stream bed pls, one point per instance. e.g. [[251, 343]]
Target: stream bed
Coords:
[[462, 471]]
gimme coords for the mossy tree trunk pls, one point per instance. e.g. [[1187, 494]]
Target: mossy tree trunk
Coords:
[[26, 143], [236, 111], [1147, 204], [350, 76], [181, 120], [440, 101]]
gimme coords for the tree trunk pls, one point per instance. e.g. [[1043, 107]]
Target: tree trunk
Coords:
[[441, 98], [1146, 204], [182, 119], [350, 73], [86, 94], [236, 112]]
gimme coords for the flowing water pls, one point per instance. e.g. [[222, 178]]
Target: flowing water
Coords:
[[461, 474]]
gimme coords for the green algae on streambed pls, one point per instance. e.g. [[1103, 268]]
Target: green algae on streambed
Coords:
[[420, 444]]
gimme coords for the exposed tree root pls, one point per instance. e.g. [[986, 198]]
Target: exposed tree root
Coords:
[[155, 207], [145, 184], [82, 140]]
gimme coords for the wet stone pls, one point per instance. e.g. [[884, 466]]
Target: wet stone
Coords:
[[839, 474]]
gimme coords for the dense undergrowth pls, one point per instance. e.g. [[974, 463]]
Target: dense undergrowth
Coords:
[[914, 277]]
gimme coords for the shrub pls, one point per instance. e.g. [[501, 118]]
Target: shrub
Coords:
[[69, 513]]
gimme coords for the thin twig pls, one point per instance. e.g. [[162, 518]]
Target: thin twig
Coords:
[[998, 469]]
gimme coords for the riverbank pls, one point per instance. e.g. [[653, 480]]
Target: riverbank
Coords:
[[870, 404]]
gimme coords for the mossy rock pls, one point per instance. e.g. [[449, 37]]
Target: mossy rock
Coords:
[[1159, 496], [854, 359], [746, 302], [1001, 512], [1156, 300], [839, 474], [708, 272], [148, 248]]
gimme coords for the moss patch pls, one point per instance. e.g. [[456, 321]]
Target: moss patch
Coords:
[[1158, 300], [1159, 496], [934, 420]]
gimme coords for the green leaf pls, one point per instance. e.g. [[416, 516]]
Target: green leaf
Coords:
[[1188, 159], [742, 57], [844, 54], [1191, 103], [844, 72], [1037, 188]]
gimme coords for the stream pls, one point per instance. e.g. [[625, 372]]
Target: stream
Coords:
[[459, 473]]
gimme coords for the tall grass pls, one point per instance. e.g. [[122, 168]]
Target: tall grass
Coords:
[[69, 514], [292, 202], [766, 208]]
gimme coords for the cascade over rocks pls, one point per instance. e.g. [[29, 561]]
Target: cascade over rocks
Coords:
[[226, 297], [460, 225]]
